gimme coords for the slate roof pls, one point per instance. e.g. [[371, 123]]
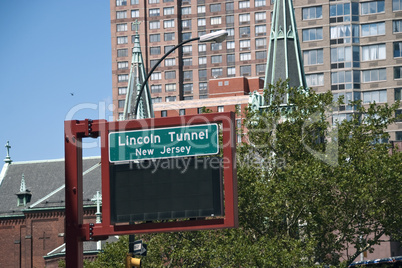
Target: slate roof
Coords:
[[45, 180]]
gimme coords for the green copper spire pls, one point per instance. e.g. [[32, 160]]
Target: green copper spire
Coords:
[[136, 77], [284, 54]]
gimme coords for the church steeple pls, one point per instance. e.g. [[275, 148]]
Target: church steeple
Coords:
[[284, 59], [136, 77]]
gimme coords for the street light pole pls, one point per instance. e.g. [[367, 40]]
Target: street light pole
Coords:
[[217, 37]]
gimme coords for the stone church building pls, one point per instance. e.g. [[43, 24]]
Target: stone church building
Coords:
[[32, 211]]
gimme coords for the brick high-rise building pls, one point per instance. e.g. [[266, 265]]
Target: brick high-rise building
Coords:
[[351, 47]]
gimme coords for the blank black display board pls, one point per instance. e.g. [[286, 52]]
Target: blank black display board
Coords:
[[142, 192]]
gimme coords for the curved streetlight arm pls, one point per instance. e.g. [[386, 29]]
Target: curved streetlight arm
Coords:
[[153, 69]]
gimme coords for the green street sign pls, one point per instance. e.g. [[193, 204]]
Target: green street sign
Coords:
[[163, 143]]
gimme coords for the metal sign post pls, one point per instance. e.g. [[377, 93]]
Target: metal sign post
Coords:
[[75, 131]]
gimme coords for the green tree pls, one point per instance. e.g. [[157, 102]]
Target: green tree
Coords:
[[310, 194]]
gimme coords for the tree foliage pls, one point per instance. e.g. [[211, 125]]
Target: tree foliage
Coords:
[[310, 194]]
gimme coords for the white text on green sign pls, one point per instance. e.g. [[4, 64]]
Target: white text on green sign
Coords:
[[163, 143]]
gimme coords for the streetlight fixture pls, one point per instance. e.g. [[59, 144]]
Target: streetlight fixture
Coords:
[[215, 37]]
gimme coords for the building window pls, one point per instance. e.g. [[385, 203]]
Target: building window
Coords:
[[122, 78], [373, 52], [153, 62], [221, 109], [260, 69], [261, 30], [201, 33], [201, 22], [259, 3], [154, 25], [170, 98], [341, 12], [166, 49], [215, 7], [230, 45], [186, 36], [372, 7], [154, 38], [188, 62], [230, 58], [186, 10], [135, 13], [134, 2], [231, 71], [342, 57], [216, 46], [341, 32], [260, 43], [121, 65], [372, 29], [187, 50], [168, 11], [121, 3], [343, 78], [396, 5], [170, 87], [156, 99], [260, 17], [156, 88], [245, 70], [201, 9], [375, 96], [312, 13], [229, 19], [154, 12], [170, 62], [186, 24], [164, 113], [244, 18], [398, 94], [122, 52], [244, 4], [156, 76], [121, 14], [203, 86], [216, 72], [397, 49], [188, 75], [169, 36], [202, 60], [315, 79], [398, 134], [121, 27], [397, 26], [188, 88], [245, 56], [244, 31], [216, 20], [374, 75], [216, 59], [182, 112], [245, 44], [121, 103], [261, 55], [202, 74], [312, 34], [202, 48], [168, 24], [313, 57], [155, 50], [397, 72], [229, 6], [122, 90], [153, 1]]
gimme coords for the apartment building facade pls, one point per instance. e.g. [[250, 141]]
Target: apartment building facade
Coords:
[[351, 47]]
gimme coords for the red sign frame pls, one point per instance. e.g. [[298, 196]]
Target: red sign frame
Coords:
[[75, 131]]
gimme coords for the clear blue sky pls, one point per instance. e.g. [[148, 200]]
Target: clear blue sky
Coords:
[[48, 50]]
